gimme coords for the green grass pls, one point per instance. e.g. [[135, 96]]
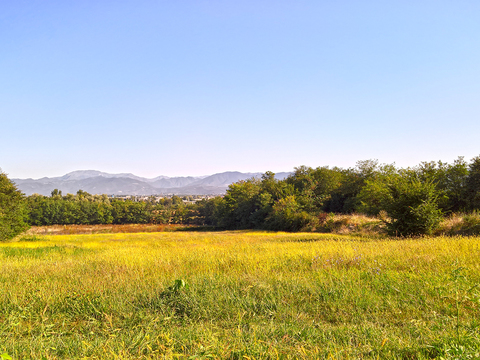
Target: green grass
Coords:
[[244, 295]]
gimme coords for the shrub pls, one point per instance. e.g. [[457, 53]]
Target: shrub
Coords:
[[413, 208], [411, 204], [287, 215]]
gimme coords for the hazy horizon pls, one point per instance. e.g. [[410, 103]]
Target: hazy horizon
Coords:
[[146, 177]]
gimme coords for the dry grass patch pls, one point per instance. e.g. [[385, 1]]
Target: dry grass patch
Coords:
[[351, 224], [460, 224]]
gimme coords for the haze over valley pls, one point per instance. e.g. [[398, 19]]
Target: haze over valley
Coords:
[[97, 182]]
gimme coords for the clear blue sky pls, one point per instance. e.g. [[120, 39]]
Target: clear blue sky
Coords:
[[196, 87]]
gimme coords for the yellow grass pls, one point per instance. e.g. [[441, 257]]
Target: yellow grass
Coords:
[[269, 286]]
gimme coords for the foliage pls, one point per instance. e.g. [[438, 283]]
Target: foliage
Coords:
[[473, 184], [264, 203], [208, 210], [411, 205], [12, 209], [239, 205], [287, 215], [344, 199], [450, 180], [84, 208]]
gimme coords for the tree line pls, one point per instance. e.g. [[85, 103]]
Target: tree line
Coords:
[[411, 201], [86, 209]]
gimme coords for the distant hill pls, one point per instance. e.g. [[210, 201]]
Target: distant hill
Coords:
[[175, 182], [97, 182]]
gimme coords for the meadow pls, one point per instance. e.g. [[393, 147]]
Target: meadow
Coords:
[[239, 295]]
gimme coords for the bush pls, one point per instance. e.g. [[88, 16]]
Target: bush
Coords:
[[413, 208], [411, 204], [287, 215]]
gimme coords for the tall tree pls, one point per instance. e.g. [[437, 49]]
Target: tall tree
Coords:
[[410, 203], [473, 184], [12, 209]]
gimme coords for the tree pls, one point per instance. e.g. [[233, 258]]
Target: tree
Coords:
[[327, 182], [411, 204], [450, 180], [287, 215], [12, 209], [56, 192], [240, 202], [344, 198], [473, 184]]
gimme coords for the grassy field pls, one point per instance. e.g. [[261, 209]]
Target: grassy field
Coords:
[[239, 295]]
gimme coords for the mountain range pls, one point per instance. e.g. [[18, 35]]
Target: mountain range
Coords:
[[97, 182]]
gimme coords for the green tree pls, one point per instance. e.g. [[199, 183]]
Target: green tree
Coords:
[[304, 184], [344, 198], [410, 203], [372, 197], [239, 203], [208, 210], [287, 215], [473, 184], [56, 192], [450, 180], [12, 209], [327, 181]]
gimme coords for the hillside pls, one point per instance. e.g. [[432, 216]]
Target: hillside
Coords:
[[97, 182]]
